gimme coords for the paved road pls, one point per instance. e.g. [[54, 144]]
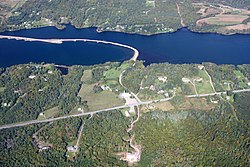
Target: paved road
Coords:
[[60, 41], [20, 124], [58, 118], [218, 93]]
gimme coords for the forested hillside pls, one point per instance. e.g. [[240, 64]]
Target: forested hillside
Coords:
[[182, 131], [133, 16]]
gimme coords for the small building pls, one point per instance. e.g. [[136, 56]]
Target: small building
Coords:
[[166, 94], [152, 87], [32, 76], [41, 114], [161, 92], [80, 109], [72, 148], [50, 72], [106, 88], [43, 148], [201, 67], [40, 90], [163, 79], [199, 79], [185, 80]]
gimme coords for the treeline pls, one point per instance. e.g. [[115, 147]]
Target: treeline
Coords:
[[70, 88]]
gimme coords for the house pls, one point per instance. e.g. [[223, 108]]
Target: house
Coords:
[[201, 67], [152, 87], [72, 148], [185, 80], [41, 114], [199, 79], [44, 148], [163, 79], [161, 92], [106, 88], [80, 109], [32, 76], [166, 94]]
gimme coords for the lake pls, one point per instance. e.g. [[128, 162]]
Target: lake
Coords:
[[182, 46]]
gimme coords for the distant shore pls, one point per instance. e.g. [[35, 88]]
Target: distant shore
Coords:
[[60, 41]]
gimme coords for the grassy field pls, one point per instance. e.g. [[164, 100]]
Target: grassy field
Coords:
[[226, 19], [164, 106], [49, 113], [239, 74], [101, 100], [195, 104], [204, 86], [113, 73], [87, 76]]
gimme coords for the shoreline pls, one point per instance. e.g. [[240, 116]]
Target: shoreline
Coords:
[[133, 33], [60, 41]]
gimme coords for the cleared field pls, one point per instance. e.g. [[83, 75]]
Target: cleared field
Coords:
[[190, 87], [226, 19], [196, 104], [239, 27], [204, 86], [101, 100], [104, 99], [87, 76], [112, 74], [164, 106], [49, 113], [239, 74]]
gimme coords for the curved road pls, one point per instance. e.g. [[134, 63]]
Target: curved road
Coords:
[[60, 41]]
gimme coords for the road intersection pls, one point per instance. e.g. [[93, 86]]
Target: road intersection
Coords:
[[21, 124]]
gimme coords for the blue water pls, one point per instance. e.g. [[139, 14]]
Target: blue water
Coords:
[[182, 46]]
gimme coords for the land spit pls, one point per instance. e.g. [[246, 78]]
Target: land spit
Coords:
[[60, 41]]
